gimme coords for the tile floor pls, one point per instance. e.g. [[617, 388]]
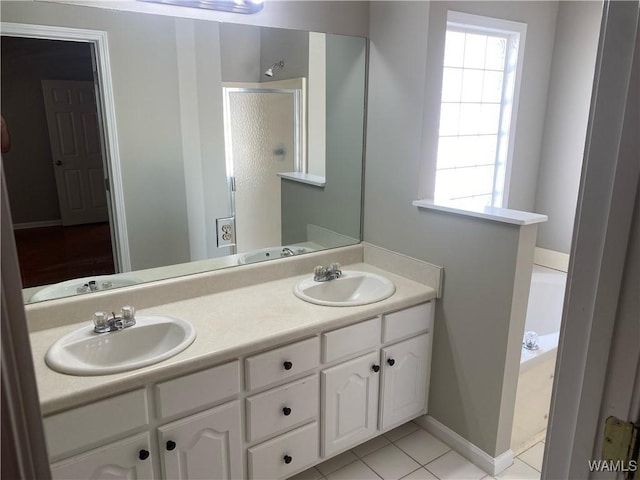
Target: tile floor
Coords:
[[410, 453]]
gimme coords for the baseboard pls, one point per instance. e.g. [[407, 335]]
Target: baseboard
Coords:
[[477, 456], [551, 259], [41, 224]]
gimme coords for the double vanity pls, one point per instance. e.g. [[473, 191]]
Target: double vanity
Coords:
[[273, 383]]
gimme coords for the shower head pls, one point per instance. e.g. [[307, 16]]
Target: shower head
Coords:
[[270, 71]]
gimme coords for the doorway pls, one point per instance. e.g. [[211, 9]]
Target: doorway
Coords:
[[55, 167]]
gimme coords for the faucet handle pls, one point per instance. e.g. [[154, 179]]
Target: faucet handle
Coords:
[[100, 319], [334, 267], [319, 271], [128, 312]]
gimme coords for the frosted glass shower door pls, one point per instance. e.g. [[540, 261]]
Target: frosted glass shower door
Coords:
[[262, 137]]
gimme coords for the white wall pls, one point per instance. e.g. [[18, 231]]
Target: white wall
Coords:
[[570, 88], [481, 315]]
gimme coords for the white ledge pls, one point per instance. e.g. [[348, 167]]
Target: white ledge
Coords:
[[307, 178], [496, 214]]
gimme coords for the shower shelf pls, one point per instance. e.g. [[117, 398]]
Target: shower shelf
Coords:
[[307, 178]]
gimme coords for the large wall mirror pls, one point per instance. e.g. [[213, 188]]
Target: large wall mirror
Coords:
[[209, 145]]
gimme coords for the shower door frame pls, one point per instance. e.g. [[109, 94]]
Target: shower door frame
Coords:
[[299, 159]]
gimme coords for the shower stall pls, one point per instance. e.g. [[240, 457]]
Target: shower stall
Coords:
[[264, 136]]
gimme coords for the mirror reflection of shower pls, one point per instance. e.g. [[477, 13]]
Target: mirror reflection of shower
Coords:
[[274, 68], [263, 137]]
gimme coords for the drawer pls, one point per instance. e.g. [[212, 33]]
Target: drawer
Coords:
[[282, 363], [99, 421], [350, 340], [281, 408], [197, 390], [409, 321], [298, 447]]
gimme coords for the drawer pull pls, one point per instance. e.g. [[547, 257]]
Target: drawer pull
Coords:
[[286, 411], [143, 454], [391, 362], [288, 459], [171, 445], [375, 368], [287, 365]]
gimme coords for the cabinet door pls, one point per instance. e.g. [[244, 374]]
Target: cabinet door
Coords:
[[405, 372], [127, 459], [205, 446], [349, 411]]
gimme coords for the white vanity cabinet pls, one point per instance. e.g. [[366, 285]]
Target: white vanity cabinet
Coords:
[[405, 373], [206, 445], [381, 389], [350, 407], [268, 414]]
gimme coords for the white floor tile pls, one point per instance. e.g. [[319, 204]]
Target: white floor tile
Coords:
[[401, 431], [533, 456], [519, 471], [452, 466], [335, 463], [420, 474], [371, 446], [422, 446], [310, 474], [357, 470], [391, 463]]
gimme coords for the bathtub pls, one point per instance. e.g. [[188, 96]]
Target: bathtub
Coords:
[[535, 381]]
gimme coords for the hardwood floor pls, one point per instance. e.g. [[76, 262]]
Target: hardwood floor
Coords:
[[54, 254]]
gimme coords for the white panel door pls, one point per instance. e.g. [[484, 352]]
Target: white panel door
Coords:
[[76, 151], [405, 372], [349, 411], [203, 446], [128, 459]]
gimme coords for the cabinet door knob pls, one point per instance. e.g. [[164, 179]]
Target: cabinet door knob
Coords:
[[143, 454], [391, 362], [288, 459], [375, 368], [287, 365], [171, 445], [286, 411]]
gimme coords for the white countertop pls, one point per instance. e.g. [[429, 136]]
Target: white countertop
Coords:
[[229, 324]]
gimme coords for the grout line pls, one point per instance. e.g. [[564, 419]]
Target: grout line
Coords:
[[527, 463], [425, 467], [439, 456]]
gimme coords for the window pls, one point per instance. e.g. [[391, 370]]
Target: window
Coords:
[[481, 71]]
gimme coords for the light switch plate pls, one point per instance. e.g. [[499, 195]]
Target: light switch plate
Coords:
[[226, 231]]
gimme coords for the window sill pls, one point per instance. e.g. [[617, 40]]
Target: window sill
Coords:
[[307, 178], [504, 215]]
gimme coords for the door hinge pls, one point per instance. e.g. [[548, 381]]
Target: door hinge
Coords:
[[232, 183], [621, 444], [106, 184]]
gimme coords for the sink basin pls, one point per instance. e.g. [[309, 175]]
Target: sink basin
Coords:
[[351, 289], [152, 339], [271, 253], [74, 287]]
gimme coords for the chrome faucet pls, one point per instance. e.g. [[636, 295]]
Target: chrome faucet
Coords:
[[322, 274], [287, 252], [104, 324]]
